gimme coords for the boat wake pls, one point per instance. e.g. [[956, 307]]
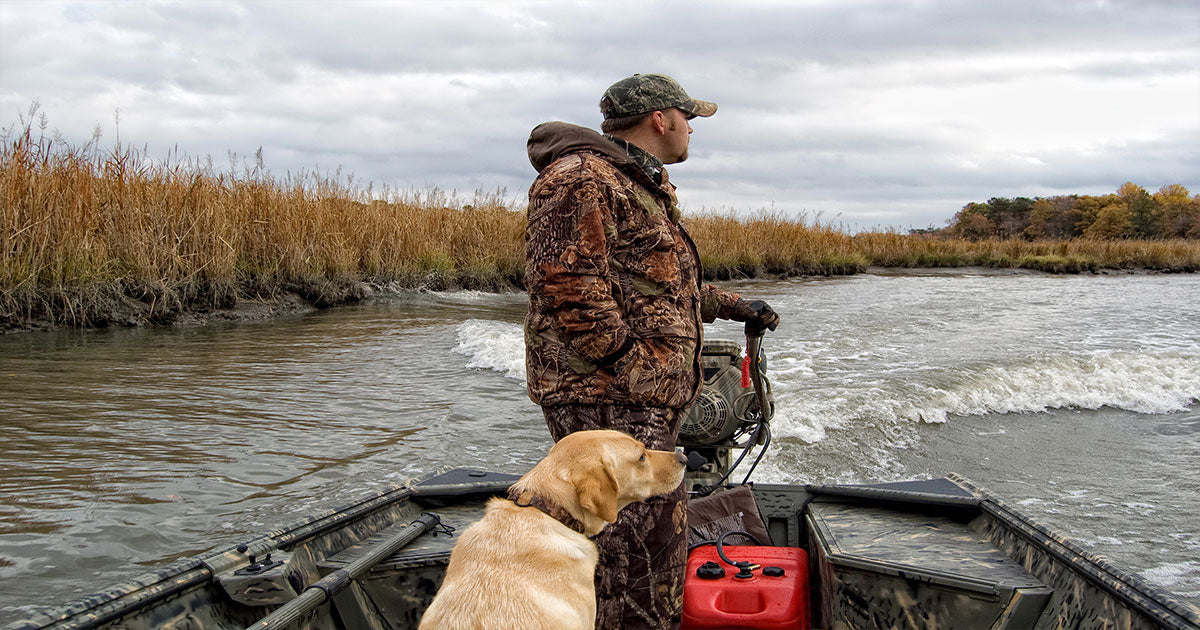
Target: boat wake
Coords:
[[814, 398], [1180, 577], [493, 345], [817, 399], [1150, 383]]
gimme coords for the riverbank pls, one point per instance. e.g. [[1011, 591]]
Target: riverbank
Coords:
[[104, 307], [124, 302], [114, 238], [134, 306]]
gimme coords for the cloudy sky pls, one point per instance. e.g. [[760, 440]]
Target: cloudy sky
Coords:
[[866, 113]]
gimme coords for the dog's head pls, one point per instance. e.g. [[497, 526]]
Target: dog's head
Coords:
[[593, 474]]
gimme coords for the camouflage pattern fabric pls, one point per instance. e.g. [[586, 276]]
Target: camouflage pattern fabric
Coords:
[[650, 164], [644, 93], [639, 580], [614, 279]]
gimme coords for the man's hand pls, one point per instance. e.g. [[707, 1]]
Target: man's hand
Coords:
[[758, 315]]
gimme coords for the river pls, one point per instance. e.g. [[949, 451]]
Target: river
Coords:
[[1074, 397]]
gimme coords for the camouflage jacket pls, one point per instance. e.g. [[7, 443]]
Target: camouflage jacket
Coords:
[[615, 294]]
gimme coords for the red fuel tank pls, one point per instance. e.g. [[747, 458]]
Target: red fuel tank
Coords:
[[773, 595]]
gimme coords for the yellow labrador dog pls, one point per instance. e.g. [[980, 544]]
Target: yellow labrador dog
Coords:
[[528, 563]]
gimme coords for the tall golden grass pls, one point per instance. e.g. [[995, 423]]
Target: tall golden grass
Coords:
[[889, 249], [84, 232], [732, 246], [90, 235]]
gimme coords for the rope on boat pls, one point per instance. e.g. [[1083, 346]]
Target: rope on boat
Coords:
[[325, 588]]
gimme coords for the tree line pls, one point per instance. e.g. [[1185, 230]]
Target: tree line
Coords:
[[1130, 212]]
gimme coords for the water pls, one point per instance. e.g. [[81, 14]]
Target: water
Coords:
[[1074, 397]]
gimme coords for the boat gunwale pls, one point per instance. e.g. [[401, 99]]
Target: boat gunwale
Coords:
[[1132, 589], [1151, 600], [132, 594], [887, 495]]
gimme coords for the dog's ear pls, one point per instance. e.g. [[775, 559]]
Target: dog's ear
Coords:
[[597, 490]]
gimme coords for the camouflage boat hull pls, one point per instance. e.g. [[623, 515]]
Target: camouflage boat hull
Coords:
[[940, 553]]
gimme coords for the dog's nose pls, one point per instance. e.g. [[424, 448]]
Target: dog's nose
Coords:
[[681, 457]]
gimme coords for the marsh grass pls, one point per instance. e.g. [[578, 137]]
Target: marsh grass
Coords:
[[889, 249], [732, 246], [89, 234], [92, 237]]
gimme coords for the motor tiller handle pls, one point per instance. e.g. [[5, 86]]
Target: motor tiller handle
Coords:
[[750, 369]]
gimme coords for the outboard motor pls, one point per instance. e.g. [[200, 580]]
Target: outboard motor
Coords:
[[760, 586], [726, 416]]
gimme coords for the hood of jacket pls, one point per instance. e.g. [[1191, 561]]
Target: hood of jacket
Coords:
[[552, 140]]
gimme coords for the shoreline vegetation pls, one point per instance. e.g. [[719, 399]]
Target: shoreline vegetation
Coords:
[[96, 238]]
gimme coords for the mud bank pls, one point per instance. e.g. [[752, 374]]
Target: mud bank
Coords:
[[128, 305], [106, 309]]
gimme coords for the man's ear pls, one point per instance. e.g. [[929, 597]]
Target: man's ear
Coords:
[[597, 489], [659, 122]]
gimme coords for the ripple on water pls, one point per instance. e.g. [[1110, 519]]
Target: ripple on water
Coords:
[[131, 447]]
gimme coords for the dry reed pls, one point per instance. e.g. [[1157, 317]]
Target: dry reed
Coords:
[[888, 249], [91, 236]]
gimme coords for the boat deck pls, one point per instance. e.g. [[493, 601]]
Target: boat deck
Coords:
[[935, 547]]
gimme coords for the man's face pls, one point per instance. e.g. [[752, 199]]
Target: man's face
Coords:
[[678, 136]]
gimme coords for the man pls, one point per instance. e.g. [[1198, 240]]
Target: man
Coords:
[[613, 335]]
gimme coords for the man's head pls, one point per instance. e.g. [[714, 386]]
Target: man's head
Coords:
[[652, 111], [645, 93]]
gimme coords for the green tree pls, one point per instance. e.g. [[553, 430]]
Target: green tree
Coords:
[[1141, 210], [1066, 217], [1011, 216]]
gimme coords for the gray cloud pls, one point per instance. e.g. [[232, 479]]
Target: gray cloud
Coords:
[[877, 112]]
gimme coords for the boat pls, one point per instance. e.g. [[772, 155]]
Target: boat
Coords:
[[939, 553]]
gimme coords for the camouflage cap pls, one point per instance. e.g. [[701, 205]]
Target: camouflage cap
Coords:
[[645, 93]]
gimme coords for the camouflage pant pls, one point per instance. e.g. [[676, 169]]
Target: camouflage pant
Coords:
[[639, 581]]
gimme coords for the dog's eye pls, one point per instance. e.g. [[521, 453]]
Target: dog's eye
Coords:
[[642, 458]]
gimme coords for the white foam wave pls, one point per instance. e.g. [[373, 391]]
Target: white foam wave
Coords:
[[493, 345], [1140, 382], [1178, 577], [810, 404], [465, 295], [1150, 382]]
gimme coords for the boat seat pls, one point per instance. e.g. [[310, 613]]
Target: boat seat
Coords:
[[400, 587], [430, 496], [426, 550], [876, 566]]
